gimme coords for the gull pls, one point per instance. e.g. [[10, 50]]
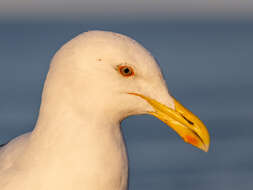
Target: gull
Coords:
[[94, 82]]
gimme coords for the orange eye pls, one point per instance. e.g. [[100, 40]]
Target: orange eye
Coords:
[[126, 71]]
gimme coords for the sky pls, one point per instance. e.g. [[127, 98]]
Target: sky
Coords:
[[131, 9]]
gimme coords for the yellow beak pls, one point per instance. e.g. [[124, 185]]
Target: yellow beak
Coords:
[[185, 123]]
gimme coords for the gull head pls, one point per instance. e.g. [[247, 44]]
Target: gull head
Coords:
[[109, 75]]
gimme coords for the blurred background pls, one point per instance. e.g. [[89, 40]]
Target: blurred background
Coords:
[[205, 49]]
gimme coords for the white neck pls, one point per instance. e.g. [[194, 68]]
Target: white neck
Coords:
[[75, 152]]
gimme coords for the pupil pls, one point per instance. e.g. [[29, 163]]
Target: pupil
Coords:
[[126, 70]]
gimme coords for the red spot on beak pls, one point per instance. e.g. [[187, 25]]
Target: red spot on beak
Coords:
[[191, 140]]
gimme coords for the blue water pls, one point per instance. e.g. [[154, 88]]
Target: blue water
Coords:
[[208, 67]]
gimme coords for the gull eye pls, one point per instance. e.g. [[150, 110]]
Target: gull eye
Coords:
[[126, 71]]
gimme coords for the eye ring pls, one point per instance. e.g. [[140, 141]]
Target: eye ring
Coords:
[[126, 71]]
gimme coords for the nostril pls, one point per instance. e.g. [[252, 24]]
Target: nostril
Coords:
[[190, 122]]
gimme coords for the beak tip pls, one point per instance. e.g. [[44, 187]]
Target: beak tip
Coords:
[[198, 142], [205, 147]]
